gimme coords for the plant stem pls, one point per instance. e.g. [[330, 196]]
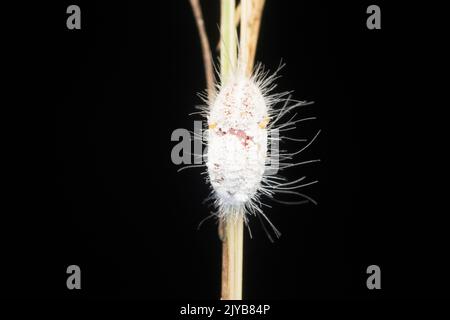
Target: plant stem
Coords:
[[232, 258], [253, 24], [206, 50], [228, 45], [233, 227]]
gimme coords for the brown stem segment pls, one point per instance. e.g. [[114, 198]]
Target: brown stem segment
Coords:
[[253, 24], [206, 50]]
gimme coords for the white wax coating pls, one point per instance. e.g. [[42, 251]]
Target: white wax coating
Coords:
[[237, 142]]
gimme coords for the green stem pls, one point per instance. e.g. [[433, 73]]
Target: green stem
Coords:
[[228, 46]]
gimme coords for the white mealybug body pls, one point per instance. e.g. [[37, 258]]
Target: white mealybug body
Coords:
[[237, 143], [244, 118]]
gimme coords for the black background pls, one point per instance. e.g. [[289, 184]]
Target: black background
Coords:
[[97, 187]]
